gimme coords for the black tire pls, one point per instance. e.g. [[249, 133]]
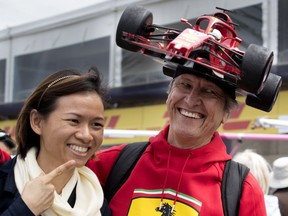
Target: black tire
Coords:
[[133, 20], [255, 68], [265, 100]]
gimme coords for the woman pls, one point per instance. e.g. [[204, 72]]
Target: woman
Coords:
[[59, 128]]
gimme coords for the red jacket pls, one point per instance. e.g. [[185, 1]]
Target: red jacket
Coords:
[[189, 180]]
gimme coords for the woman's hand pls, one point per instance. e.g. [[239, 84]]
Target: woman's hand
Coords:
[[38, 194]]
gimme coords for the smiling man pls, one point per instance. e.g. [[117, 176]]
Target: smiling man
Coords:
[[181, 170], [197, 107]]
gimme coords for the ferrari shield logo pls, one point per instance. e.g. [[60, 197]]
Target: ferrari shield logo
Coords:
[[147, 202]]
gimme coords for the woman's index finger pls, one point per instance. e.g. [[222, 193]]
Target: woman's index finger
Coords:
[[59, 171]]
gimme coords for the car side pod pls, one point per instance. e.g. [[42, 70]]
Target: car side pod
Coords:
[[265, 100], [134, 21]]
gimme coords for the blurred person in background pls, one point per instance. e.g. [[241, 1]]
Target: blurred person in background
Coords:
[[279, 183], [6, 142], [260, 168]]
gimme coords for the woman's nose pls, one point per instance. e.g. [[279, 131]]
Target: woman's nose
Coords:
[[84, 134]]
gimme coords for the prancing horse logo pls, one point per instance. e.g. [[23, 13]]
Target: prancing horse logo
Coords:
[[166, 210]]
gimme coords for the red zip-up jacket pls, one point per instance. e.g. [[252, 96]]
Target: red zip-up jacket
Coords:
[[181, 181]]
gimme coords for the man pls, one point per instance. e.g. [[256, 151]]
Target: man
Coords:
[[180, 172]]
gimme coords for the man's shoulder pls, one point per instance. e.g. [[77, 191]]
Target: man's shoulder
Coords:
[[103, 163], [234, 176], [112, 150]]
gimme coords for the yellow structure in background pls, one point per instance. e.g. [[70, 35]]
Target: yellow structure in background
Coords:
[[155, 117]]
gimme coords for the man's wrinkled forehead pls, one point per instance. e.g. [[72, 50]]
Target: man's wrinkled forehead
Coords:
[[229, 90], [198, 79], [201, 72]]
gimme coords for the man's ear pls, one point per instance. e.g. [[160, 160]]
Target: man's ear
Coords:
[[225, 117], [35, 121]]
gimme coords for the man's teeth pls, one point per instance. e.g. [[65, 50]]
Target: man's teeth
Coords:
[[78, 148], [190, 114]]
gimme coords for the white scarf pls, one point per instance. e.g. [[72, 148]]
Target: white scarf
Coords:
[[89, 194]]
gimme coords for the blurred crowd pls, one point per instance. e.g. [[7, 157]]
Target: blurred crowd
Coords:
[[272, 179]]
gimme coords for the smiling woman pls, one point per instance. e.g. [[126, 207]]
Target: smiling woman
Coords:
[[74, 130], [59, 128]]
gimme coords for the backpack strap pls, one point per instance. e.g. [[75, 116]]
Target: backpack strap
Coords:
[[231, 187], [122, 167]]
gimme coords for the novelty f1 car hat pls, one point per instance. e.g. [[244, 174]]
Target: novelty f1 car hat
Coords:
[[215, 48]]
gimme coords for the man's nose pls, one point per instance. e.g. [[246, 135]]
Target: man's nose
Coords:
[[193, 97]]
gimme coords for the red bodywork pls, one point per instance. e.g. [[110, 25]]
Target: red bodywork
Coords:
[[198, 44], [197, 38]]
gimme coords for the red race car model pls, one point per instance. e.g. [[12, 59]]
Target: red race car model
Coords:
[[212, 42]]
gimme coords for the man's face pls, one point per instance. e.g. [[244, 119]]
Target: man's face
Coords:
[[196, 110]]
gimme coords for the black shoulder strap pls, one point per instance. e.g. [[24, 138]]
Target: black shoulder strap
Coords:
[[123, 166], [231, 188]]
